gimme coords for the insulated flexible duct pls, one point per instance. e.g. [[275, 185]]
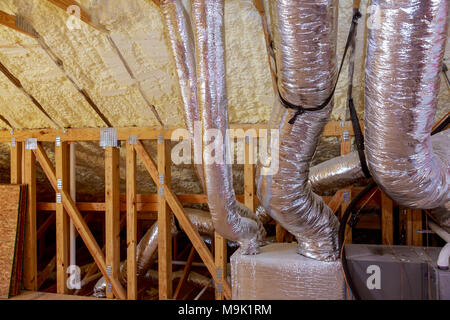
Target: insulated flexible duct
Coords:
[[406, 44], [230, 218], [147, 247], [180, 35], [305, 49], [336, 173]]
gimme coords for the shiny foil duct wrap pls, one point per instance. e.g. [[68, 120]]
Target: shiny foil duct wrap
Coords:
[[406, 44], [179, 31], [147, 247], [441, 147], [336, 173], [229, 217], [305, 39]]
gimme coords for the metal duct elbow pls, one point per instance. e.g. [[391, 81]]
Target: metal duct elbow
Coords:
[[179, 31], [336, 173], [406, 44], [305, 40], [228, 216]]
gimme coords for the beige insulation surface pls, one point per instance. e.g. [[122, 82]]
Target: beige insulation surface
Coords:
[[136, 27]]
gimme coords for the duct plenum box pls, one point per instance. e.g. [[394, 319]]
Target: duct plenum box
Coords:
[[278, 272], [397, 272]]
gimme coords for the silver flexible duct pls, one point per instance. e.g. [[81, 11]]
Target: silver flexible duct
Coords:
[[305, 48], [179, 31], [406, 45], [229, 216], [336, 173], [147, 248]]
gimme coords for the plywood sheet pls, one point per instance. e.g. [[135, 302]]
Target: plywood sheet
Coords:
[[12, 210]]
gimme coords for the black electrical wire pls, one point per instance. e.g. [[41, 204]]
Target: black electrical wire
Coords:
[[350, 209]]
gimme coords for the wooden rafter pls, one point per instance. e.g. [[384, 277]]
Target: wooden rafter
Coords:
[[112, 213], [81, 226], [132, 218], [18, 84], [10, 21], [60, 64], [30, 275], [184, 221], [5, 121], [332, 129]]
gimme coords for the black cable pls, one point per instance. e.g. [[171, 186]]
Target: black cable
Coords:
[[444, 71], [300, 109], [350, 209]]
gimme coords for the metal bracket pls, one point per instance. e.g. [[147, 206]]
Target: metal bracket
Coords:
[[109, 271], [219, 273], [161, 179], [342, 123], [160, 139], [346, 135], [31, 144], [161, 191], [13, 142], [58, 141], [346, 196], [109, 287], [219, 288], [108, 138], [58, 198], [59, 184], [133, 139]]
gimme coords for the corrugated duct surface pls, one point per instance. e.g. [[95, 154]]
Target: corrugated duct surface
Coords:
[[405, 50], [305, 48]]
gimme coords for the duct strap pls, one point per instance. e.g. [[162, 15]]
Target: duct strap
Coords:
[[444, 71], [299, 108]]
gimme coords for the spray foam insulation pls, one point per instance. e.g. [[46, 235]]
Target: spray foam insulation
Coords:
[[137, 28]]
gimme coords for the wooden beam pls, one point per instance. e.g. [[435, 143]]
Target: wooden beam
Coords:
[[62, 219], [82, 228], [184, 221], [220, 255], [332, 129], [112, 214], [45, 225], [387, 220], [131, 223], [46, 165], [43, 275], [30, 249], [336, 201], [164, 222], [249, 173], [11, 22], [413, 223], [186, 271], [16, 163], [91, 244]]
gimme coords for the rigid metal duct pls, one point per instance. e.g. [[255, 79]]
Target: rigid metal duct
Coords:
[[305, 42], [229, 217], [179, 31], [406, 44]]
